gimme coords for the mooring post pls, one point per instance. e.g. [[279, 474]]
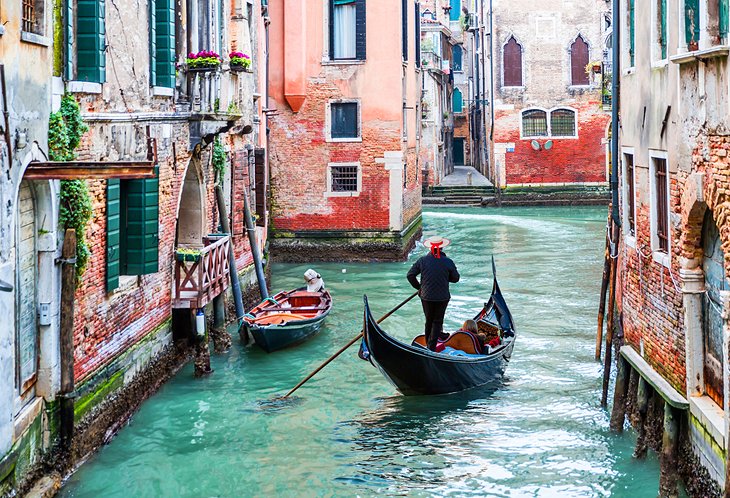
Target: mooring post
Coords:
[[642, 407], [618, 415], [202, 353], [610, 322], [668, 459], [68, 290], [221, 338], [604, 290]]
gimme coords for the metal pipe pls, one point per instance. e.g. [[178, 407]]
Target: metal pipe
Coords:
[[615, 101], [6, 114], [235, 284]]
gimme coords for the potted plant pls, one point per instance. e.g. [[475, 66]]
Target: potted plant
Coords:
[[239, 61], [187, 254], [593, 67], [205, 60]]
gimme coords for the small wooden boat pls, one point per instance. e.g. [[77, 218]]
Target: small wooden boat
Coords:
[[415, 370], [287, 318]]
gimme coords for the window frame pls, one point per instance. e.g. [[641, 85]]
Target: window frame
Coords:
[[331, 193], [328, 121], [522, 63], [587, 83], [628, 195], [660, 255], [548, 117], [39, 35], [360, 33], [659, 33]]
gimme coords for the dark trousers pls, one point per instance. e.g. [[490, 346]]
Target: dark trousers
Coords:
[[434, 311]]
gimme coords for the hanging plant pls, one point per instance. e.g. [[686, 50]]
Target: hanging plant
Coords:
[[65, 129], [219, 160]]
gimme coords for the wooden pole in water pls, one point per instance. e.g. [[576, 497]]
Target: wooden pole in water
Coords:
[[668, 458], [611, 305], [68, 289], [642, 406], [343, 348], [604, 289], [618, 415]]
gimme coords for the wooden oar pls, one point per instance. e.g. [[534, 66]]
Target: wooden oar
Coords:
[[343, 348]]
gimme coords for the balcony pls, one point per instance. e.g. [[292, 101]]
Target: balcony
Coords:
[[606, 84], [215, 100], [201, 275]]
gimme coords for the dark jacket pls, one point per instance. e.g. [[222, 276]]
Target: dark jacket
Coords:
[[436, 273]]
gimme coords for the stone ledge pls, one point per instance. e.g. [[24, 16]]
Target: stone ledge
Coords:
[[664, 388]]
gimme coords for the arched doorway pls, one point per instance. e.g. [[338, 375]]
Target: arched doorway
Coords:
[[713, 265], [190, 213], [26, 264]]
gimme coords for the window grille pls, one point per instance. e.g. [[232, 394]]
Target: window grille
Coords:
[[29, 16], [630, 194], [562, 123], [662, 204], [344, 178], [534, 123]]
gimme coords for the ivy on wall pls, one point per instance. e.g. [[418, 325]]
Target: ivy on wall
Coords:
[[65, 129], [219, 160]]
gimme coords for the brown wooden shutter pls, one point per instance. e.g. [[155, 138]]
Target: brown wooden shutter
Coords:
[[260, 186], [578, 61], [512, 63]]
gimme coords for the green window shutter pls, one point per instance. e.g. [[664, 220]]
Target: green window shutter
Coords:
[[165, 43], [457, 101], [632, 34], [361, 30], [455, 11], [112, 234], [68, 22], [723, 20], [153, 42], [90, 42], [141, 244], [692, 21], [663, 34]]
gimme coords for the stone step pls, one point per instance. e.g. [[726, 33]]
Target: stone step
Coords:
[[463, 199], [442, 191]]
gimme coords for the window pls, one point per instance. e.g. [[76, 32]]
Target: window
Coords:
[[344, 120], [457, 56], [132, 217], [512, 63], [455, 11], [660, 211], [162, 43], [33, 16], [629, 194], [417, 31], [632, 34], [347, 29], [457, 101], [661, 30], [534, 123], [579, 59], [717, 21], [692, 23], [343, 179], [85, 45], [562, 123], [404, 28]]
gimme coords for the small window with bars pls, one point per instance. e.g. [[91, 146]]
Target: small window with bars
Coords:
[[562, 123], [661, 206], [534, 123], [344, 178], [630, 194], [32, 16]]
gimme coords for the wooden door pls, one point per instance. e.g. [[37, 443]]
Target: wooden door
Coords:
[[715, 281], [26, 343], [459, 151]]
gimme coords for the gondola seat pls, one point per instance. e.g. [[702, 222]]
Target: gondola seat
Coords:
[[460, 340]]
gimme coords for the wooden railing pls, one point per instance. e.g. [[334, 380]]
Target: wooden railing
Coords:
[[198, 282]]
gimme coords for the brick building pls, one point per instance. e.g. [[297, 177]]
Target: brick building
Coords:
[[549, 125], [345, 122], [143, 104], [673, 269]]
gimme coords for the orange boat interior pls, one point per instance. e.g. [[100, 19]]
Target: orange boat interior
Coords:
[[291, 306]]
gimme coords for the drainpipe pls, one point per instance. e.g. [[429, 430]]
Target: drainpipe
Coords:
[[251, 229], [615, 72], [491, 95]]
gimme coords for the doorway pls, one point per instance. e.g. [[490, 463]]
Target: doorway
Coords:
[[458, 151]]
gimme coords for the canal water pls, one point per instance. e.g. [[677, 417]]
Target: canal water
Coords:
[[349, 433]]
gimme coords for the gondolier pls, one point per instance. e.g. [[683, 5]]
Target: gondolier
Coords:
[[436, 270]]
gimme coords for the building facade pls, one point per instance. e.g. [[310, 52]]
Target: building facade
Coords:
[[549, 125], [673, 294], [150, 93], [345, 113]]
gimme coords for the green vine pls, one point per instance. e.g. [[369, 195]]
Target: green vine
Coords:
[[219, 160], [65, 129]]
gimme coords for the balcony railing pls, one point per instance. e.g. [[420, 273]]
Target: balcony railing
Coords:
[[201, 277], [212, 91], [431, 60]]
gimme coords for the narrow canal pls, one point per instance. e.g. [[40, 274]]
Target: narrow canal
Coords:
[[541, 433]]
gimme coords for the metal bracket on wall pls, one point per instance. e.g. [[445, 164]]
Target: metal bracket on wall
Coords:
[[5, 287]]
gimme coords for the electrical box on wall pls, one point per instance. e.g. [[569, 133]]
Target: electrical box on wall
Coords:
[[44, 314]]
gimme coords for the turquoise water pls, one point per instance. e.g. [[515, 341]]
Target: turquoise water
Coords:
[[348, 432]]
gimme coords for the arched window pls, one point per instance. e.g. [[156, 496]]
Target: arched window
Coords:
[[534, 123], [457, 101], [512, 63], [579, 58], [457, 55], [562, 123]]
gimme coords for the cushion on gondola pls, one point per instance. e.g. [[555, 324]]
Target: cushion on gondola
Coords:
[[457, 352]]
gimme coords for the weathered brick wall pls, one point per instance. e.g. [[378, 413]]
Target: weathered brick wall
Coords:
[[299, 156], [412, 194], [577, 160]]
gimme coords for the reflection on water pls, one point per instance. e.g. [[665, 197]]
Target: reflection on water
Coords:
[[347, 432]]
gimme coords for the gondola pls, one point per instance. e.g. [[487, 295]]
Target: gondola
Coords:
[[415, 370], [288, 318]]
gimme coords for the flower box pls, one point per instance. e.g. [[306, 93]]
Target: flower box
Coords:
[[205, 60], [239, 61], [187, 255]]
